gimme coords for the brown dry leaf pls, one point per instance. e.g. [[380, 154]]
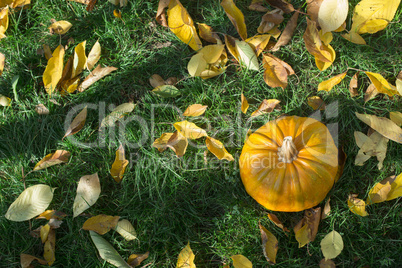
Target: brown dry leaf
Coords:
[[41, 109], [281, 4], [313, 6], [160, 15], [270, 20], [216, 147], [54, 70], [381, 84], [161, 143], [181, 24], [236, 17], [266, 106], [3, 21], [186, 258], [327, 263], [77, 124], [208, 34], [60, 27], [52, 214], [49, 247], [257, 5], [396, 117], [244, 104], [258, 42], [277, 222], [88, 191], [276, 71], [96, 74], [387, 189], [135, 259], [101, 223], [190, 130], [306, 229], [54, 224], [383, 125], [353, 85], [91, 5], [58, 157], [195, 110], [2, 61], [94, 55], [119, 165], [371, 92], [240, 261], [27, 259], [178, 143], [316, 102], [357, 205], [326, 210], [287, 33], [327, 85], [269, 245]]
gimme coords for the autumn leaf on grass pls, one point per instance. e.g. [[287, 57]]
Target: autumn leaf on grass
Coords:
[[383, 125], [236, 17], [306, 229], [54, 70], [331, 245], [126, 230], [77, 124], [269, 245], [270, 20], [186, 258], [327, 85], [282, 4], [277, 222], [387, 189], [258, 42], [327, 263], [372, 145], [257, 5], [244, 104], [80, 59], [106, 251], [58, 157], [88, 191], [210, 61], [101, 223], [246, 54], [167, 91], [354, 38], [396, 117], [26, 260], [398, 83], [332, 14], [60, 27], [52, 214], [2, 61], [119, 165], [356, 205], [381, 84], [178, 143], [135, 259], [353, 85], [276, 71], [5, 101], [94, 55], [3, 21], [160, 14], [30, 203], [287, 33], [207, 33], [181, 24], [190, 130], [122, 3], [313, 6], [239, 261], [117, 113], [316, 102], [96, 74], [161, 143], [326, 210], [266, 106], [195, 110], [49, 247], [41, 109], [216, 147], [370, 93]]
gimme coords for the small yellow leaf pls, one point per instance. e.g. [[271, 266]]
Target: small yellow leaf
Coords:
[[126, 230], [117, 113], [212, 53], [49, 247], [94, 55], [277, 222], [5, 101], [88, 191], [316, 102], [60, 27], [135, 259], [3, 21], [190, 130], [117, 14], [331, 245], [244, 104], [96, 74], [208, 34], [54, 70], [332, 14], [236, 17], [357, 205], [2, 61], [396, 117], [161, 143], [326, 210], [186, 258], [101, 223], [323, 65], [178, 143], [353, 85], [27, 259], [80, 60], [44, 232], [381, 84], [195, 110], [258, 42], [266, 106], [314, 44], [119, 165], [216, 147], [354, 38], [327, 85], [269, 245], [58, 157], [77, 124], [239, 261]]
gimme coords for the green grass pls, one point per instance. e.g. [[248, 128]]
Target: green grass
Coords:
[[171, 201]]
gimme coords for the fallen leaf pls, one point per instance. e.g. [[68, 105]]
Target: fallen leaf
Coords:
[[101, 223], [381, 84], [353, 86], [135, 259], [332, 14], [270, 20], [208, 34], [178, 143], [80, 59], [52, 214], [44, 232], [107, 252], [331, 245], [166, 91], [396, 117], [91, 4], [88, 191], [181, 24], [54, 224], [195, 110], [96, 74], [49, 247], [236, 17], [313, 6], [119, 165], [287, 33], [281, 4], [371, 92], [386, 190], [266, 106], [126, 230], [244, 104], [276, 71], [257, 5], [5, 101], [327, 85], [60, 27], [2, 61], [326, 210], [258, 42], [186, 258], [357, 206], [41, 109], [3, 21], [398, 83], [327, 263], [316, 102], [383, 125], [94, 55], [117, 14], [247, 57], [58, 157], [306, 229], [190, 130], [117, 113], [161, 143], [27, 259], [373, 145], [54, 70], [160, 15], [77, 124], [216, 147], [239, 261], [277, 222], [354, 38], [269, 245], [156, 80]]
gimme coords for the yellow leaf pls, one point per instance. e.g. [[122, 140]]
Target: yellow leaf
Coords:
[[332, 14], [266, 106], [101, 223], [371, 92], [166, 91], [306, 229], [94, 55], [381, 84], [212, 53], [190, 130], [276, 71], [302, 236], [327, 85], [5, 101], [207, 33], [388, 189], [197, 65], [357, 205], [60, 27], [331, 245], [117, 14], [49, 247], [216, 147], [3, 21], [44, 232], [88, 191], [373, 26], [96, 74], [126, 230], [135, 259], [119, 165], [258, 42], [239, 261], [236, 17], [117, 113], [396, 117], [54, 70], [314, 44], [2, 61], [161, 143], [277, 222], [269, 245], [80, 60], [195, 110], [247, 57], [326, 38], [58, 157], [77, 124], [178, 143], [230, 43], [27, 259], [52, 214], [326, 210], [316, 102], [244, 104], [30, 203], [287, 33], [181, 24], [354, 38], [323, 65], [186, 258]]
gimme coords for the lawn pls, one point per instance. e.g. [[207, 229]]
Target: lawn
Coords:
[[196, 198]]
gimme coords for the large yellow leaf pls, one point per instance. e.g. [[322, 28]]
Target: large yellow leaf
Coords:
[[54, 70], [80, 60], [332, 14], [327, 85], [181, 24], [77, 124], [216, 147], [195, 110], [190, 130], [236, 17], [357, 205], [30, 203], [119, 165], [269, 245], [382, 85], [94, 55], [101, 223], [186, 258], [60, 27], [239, 261], [58, 157], [117, 113], [88, 191], [331, 245], [126, 230], [3, 21]]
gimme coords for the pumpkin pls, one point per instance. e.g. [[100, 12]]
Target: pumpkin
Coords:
[[289, 164]]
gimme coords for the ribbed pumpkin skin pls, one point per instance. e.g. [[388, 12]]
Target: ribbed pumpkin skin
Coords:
[[295, 186]]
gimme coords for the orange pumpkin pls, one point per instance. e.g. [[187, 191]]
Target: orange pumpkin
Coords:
[[289, 164]]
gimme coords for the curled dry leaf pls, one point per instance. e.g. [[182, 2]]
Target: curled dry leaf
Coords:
[[216, 147], [357, 205], [195, 110], [313, 6], [119, 165], [276, 71], [240, 261], [58, 157], [178, 143], [382, 85], [88, 191], [101, 223], [270, 20], [236, 17], [96, 74], [208, 34], [160, 15], [60, 27], [244, 104], [316, 102], [117, 113], [373, 145], [126, 230], [135, 259], [281, 4], [27, 259], [94, 55], [186, 258], [287, 33], [353, 85], [257, 5], [3, 21], [266, 106], [371, 92], [332, 14], [396, 117], [49, 247], [41, 109], [326, 210], [387, 189], [327, 85], [269, 245], [258, 42], [54, 70], [190, 130], [277, 222], [331, 245], [306, 229], [78, 123]]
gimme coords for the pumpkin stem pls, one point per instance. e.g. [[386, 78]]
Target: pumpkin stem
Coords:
[[288, 152]]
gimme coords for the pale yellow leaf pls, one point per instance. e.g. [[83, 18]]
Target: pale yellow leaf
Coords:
[[332, 14], [186, 258], [247, 57], [396, 117], [41, 109], [44, 232], [54, 70], [94, 55], [197, 65], [156, 80], [117, 113], [269, 245], [381, 84], [166, 91], [239, 261], [178, 143], [80, 60], [3, 21], [60, 27], [244, 104], [354, 38], [236, 17], [88, 191], [195, 110], [119, 165], [5, 101], [302, 236], [77, 124], [49, 247], [96, 74], [327, 85], [190, 130], [332, 245], [126, 230], [218, 149], [357, 205], [212, 53], [101, 223], [58, 157]]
